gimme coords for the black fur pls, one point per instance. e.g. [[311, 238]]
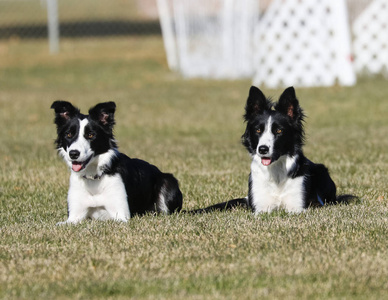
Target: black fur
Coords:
[[143, 183], [228, 205]]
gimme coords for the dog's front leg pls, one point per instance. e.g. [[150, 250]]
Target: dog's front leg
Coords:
[[115, 198], [77, 207], [119, 210], [75, 216]]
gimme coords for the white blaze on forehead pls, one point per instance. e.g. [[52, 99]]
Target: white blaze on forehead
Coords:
[[83, 123], [267, 138], [81, 144]]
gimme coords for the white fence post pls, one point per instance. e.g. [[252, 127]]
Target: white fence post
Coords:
[[53, 25], [166, 23]]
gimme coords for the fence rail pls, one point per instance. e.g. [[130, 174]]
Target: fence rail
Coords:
[[84, 29]]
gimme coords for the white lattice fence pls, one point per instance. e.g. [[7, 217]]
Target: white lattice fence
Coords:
[[370, 31], [304, 43]]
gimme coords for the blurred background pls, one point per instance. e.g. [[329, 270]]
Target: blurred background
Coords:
[[317, 43], [28, 19]]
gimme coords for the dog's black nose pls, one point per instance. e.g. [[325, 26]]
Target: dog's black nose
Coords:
[[74, 154], [263, 149]]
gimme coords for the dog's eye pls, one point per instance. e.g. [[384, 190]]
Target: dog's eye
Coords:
[[90, 135], [279, 131], [69, 135], [258, 130]]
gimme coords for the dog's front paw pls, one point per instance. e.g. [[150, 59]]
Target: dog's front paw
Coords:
[[62, 223], [68, 222]]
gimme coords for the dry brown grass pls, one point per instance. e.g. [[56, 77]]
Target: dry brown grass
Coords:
[[191, 128]]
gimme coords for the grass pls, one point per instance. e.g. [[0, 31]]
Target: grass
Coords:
[[35, 12], [191, 128]]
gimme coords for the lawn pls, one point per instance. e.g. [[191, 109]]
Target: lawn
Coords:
[[191, 128]]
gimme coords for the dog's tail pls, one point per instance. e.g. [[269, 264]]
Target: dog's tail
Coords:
[[345, 199], [339, 199], [228, 205]]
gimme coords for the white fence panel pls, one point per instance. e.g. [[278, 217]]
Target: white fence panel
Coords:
[[304, 43], [370, 31]]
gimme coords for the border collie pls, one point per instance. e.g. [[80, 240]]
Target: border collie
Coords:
[[104, 183], [281, 176]]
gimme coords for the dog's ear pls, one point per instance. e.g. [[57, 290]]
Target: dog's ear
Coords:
[[64, 111], [256, 103], [103, 113], [289, 105]]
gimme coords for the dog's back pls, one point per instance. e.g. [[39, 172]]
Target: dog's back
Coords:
[[148, 189]]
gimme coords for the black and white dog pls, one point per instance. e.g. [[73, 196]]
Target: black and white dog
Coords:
[[281, 176], [104, 183]]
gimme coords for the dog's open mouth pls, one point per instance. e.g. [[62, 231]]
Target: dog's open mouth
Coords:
[[266, 161], [80, 165]]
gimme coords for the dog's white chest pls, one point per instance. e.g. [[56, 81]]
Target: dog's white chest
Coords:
[[271, 188], [102, 199]]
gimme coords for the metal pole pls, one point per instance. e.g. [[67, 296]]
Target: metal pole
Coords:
[[53, 26]]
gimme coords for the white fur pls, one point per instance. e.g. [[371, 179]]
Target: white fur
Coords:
[[162, 202], [273, 189], [98, 163], [81, 144], [97, 199]]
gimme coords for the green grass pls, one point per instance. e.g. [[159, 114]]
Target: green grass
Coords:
[[191, 128]]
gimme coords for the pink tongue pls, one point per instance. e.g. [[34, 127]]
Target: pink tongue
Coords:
[[77, 167], [266, 161]]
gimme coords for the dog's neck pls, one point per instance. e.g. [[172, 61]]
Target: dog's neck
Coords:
[[278, 171], [95, 169], [91, 177]]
